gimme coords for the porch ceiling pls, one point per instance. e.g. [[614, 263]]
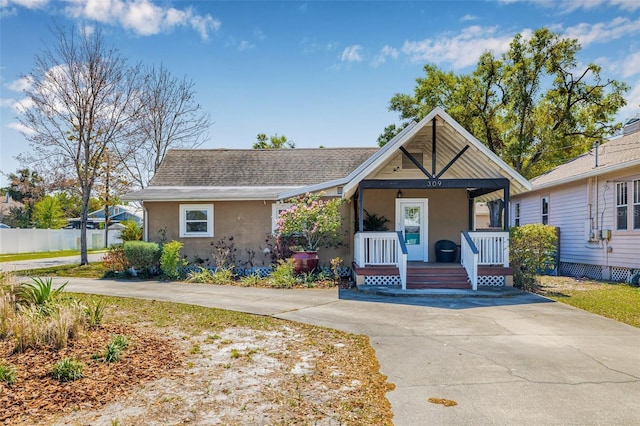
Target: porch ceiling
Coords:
[[478, 162]]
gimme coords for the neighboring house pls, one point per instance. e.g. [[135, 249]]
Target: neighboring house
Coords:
[[594, 200], [117, 214], [425, 181]]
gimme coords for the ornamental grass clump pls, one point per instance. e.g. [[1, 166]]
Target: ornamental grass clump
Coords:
[[315, 221]]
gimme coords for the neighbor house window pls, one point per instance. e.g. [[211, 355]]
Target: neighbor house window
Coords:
[[276, 209], [196, 220], [516, 214], [636, 204], [545, 210], [621, 205]]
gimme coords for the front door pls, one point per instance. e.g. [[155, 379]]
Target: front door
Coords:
[[411, 220]]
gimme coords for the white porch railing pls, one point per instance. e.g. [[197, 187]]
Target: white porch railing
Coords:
[[381, 249], [469, 255], [493, 247]]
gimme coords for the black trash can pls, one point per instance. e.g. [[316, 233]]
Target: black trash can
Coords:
[[446, 251]]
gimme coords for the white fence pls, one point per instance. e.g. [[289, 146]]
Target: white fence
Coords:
[[33, 240]]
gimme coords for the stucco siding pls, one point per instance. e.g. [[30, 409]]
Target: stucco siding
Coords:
[[448, 211]]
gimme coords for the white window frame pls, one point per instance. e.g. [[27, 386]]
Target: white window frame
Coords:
[[276, 209], [635, 210], [542, 213], [622, 204], [183, 220]]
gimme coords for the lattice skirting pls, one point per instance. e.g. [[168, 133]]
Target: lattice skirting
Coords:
[[595, 272], [382, 280], [491, 280]]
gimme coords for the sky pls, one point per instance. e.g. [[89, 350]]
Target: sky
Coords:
[[319, 72]]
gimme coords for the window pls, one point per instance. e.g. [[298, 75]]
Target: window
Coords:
[[407, 163], [276, 209], [636, 204], [196, 220], [545, 210], [621, 205], [516, 214]]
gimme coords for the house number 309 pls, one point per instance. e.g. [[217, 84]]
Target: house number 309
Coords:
[[432, 183]]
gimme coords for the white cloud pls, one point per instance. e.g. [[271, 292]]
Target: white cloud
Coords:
[[633, 102], [259, 34], [245, 45], [603, 31], [461, 50], [352, 54], [29, 4], [19, 85], [627, 66], [386, 52], [7, 102], [143, 17], [20, 127], [570, 6], [469, 17]]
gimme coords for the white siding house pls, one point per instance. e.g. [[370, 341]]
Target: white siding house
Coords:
[[595, 201]]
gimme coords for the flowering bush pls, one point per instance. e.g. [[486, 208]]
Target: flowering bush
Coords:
[[315, 221]]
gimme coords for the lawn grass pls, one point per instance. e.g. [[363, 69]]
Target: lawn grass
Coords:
[[42, 255], [92, 270], [619, 301]]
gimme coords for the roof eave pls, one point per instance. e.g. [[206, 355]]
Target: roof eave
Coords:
[[591, 173]]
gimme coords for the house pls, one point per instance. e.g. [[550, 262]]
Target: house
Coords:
[[425, 181], [594, 200], [117, 214]]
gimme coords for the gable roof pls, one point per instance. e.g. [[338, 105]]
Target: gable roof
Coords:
[[225, 174], [478, 162], [614, 155]]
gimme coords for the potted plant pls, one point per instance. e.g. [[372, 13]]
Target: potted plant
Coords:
[[315, 223]]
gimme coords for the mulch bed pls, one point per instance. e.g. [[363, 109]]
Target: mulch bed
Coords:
[[36, 394]]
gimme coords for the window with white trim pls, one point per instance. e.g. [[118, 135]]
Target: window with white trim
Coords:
[[636, 204], [621, 206], [544, 218], [516, 214], [276, 209], [196, 220]]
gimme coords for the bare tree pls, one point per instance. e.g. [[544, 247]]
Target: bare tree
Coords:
[[81, 101], [168, 117]]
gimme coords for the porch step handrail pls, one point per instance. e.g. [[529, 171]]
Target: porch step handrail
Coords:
[[469, 255], [402, 262]]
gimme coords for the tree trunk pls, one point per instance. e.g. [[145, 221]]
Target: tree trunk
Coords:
[[495, 213], [84, 260]]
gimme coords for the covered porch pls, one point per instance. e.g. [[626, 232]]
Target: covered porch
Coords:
[[425, 183]]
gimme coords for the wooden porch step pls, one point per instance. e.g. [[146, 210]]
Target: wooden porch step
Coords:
[[421, 277], [376, 270]]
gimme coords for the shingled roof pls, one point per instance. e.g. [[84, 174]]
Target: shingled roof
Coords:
[[614, 155], [258, 167]]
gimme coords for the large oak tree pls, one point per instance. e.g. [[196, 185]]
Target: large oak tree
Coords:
[[536, 106]]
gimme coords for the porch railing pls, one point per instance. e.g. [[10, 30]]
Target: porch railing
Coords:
[[381, 249], [493, 247], [469, 255]]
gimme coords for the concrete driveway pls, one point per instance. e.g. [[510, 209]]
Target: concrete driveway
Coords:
[[517, 360], [21, 265]]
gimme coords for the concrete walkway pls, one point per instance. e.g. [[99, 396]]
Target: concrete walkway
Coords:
[[519, 360]]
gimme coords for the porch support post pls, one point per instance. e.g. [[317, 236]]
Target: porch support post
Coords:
[[433, 146], [506, 206], [472, 203], [360, 207]]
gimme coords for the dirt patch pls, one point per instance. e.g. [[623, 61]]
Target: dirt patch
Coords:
[[557, 286], [293, 374]]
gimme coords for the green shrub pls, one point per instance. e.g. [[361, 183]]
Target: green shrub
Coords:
[[94, 313], [531, 249], [221, 276], [67, 370], [141, 255], [283, 276], [8, 374], [131, 231], [39, 292], [251, 280], [115, 347], [170, 259]]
